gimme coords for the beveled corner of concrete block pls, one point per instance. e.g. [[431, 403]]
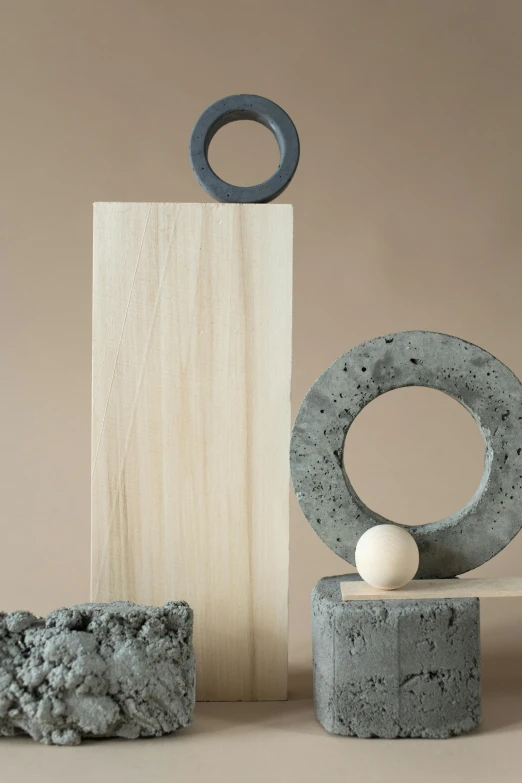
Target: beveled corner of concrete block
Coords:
[[395, 668], [97, 670]]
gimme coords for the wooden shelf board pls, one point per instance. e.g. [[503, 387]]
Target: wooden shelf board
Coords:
[[508, 587]]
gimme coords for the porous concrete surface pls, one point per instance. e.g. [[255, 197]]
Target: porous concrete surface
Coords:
[[97, 670], [396, 668], [479, 381]]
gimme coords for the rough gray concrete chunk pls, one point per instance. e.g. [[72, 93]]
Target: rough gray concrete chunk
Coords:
[[395, 668], [481, 383], [97, 670]]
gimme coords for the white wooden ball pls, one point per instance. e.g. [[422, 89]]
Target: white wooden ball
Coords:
[[387, 557]]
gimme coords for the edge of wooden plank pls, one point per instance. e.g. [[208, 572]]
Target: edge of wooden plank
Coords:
[[506, 587]]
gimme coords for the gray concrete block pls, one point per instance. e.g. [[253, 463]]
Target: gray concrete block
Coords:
[[395, 668], [97, 670]]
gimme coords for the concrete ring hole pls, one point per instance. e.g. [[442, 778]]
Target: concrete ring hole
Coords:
[[414, 455], [244, 153]]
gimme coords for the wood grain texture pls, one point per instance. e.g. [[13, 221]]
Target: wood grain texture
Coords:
[[191, 427], [508, 587]]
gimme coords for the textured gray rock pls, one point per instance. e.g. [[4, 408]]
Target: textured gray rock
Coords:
[[97, 670], [481, 383], [395, 668]]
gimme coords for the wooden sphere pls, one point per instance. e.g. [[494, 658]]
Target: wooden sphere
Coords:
[[387, 557]]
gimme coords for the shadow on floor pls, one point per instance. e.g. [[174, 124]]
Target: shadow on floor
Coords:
[[501, 690], [293, 714]]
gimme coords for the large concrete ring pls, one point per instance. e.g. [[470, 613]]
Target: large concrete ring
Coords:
[[244, 107], [479, 381]]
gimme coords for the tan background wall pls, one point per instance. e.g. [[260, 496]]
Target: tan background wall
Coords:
[[407, 215]]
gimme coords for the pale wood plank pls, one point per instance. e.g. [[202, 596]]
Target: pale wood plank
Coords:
[[191, 427], [508, 587]]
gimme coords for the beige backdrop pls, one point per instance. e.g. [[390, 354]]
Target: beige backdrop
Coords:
[[407, 216]]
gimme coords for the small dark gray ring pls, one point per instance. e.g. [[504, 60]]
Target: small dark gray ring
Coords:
[[244, 107], [479, 381]]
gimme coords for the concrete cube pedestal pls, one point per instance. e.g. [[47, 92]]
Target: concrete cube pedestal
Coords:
[[395, 668]]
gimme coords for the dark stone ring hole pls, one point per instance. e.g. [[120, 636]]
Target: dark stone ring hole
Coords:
[[244, 153], [414, 455]]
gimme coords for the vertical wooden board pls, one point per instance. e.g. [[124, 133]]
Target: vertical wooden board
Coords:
[[191, 427]]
